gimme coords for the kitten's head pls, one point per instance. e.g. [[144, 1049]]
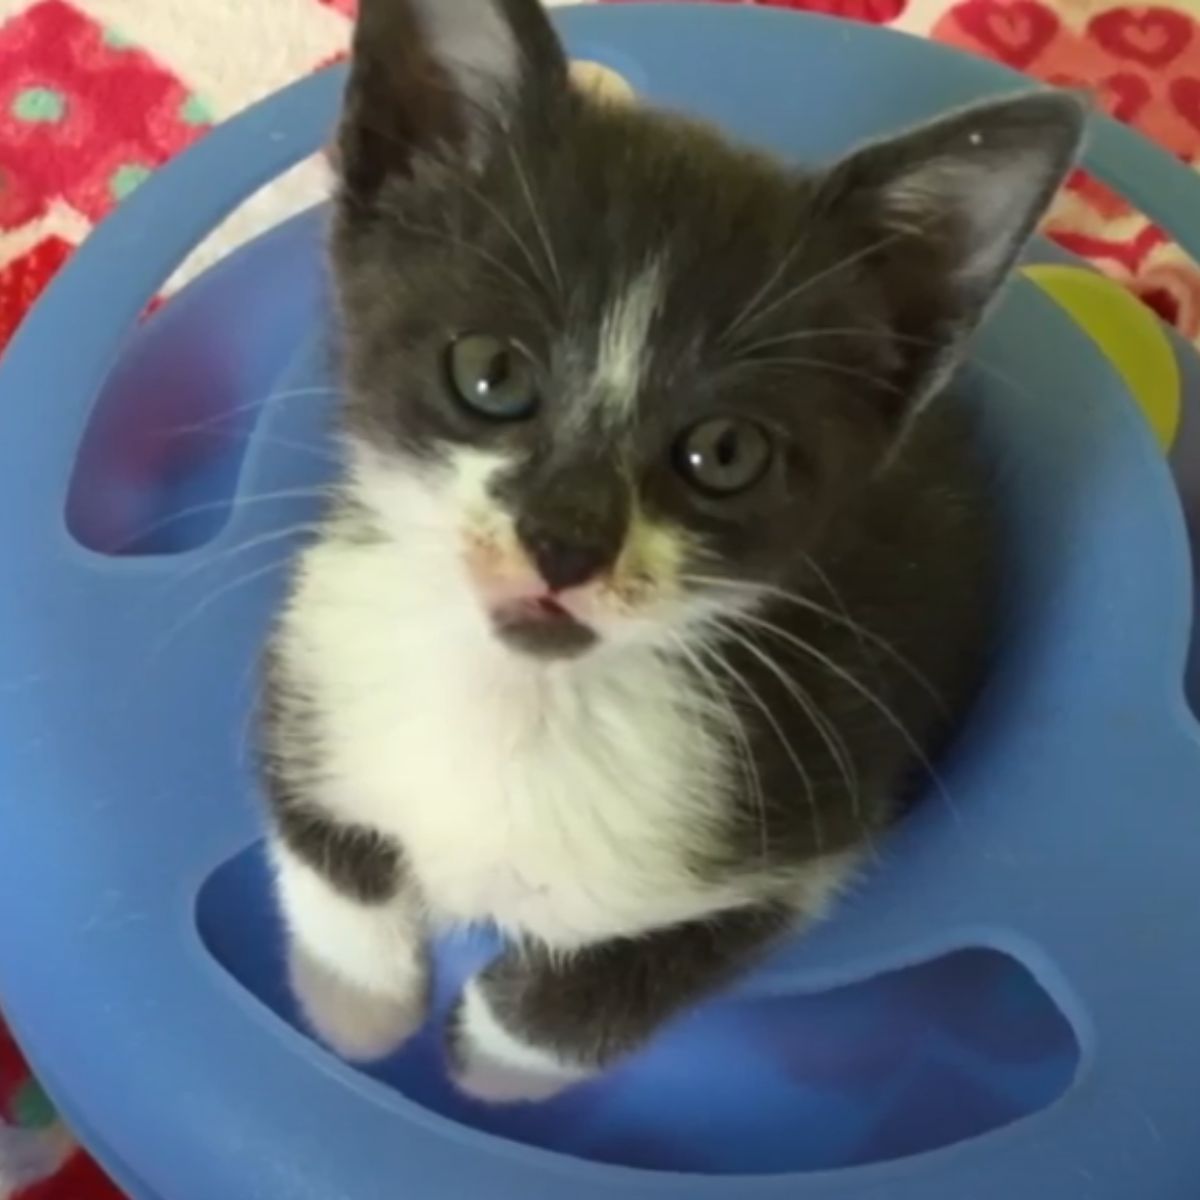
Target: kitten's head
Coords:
[[610, 373]]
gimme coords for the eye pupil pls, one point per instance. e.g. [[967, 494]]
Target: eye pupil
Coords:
[[497, 373], [723, 456], [491, 377]]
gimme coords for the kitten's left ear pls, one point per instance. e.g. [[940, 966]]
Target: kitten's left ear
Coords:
[[948, 208], [444, 78]]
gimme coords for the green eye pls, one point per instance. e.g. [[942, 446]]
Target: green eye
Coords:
[[723, 456], [492, 377]]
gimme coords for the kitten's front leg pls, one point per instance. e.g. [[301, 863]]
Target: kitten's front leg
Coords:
[[357, 954], [536, 1022]]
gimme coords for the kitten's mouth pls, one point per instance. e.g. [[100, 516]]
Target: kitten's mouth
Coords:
[[541, 627]]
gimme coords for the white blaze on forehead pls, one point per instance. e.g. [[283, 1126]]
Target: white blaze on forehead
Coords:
[[623, 349]]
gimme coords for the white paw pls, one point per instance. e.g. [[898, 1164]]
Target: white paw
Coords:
[[357, 1024], [494, 1082], [492, 1065]]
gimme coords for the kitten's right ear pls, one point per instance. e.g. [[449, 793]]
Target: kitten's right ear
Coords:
[[443, 78]]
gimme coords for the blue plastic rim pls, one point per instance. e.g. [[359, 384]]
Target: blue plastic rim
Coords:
[[1057, 877]]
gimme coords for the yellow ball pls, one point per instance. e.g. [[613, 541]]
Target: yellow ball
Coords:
[[1127, 333], [601, 82]]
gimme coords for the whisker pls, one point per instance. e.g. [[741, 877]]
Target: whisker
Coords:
[[480, 252], [829, 732], [454, 238], [224, 417], [325, 453], [536, 214], [865, 692], [436, 534], [843, 264], [862, 632], [208, 561], [818, 832], [796, 362], [194, 613], [195, 510], [502, 220], [806, 335], [862, 635], [985, 365], [744, 752], [748, 309]]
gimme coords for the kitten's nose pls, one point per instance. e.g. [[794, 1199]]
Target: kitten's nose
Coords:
[[563, 562]]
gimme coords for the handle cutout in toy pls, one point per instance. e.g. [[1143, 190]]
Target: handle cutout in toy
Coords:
[[161, 458], [906, 1062]]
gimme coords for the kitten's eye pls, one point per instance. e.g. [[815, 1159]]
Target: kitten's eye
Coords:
[[492, 377], [723, 456]]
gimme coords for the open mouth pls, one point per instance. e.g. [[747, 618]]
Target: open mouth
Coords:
[[542, 628]]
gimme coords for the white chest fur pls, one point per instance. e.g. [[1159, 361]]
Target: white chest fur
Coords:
[[563, 801]]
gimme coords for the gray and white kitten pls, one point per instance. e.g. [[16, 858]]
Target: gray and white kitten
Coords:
[[658, 562]]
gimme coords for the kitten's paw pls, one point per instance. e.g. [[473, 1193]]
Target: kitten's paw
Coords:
[[358, 1025], [492, 1065]]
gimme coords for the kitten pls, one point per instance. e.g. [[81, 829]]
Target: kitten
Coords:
[[658, 564]]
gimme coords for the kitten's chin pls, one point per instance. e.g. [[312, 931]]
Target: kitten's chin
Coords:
[[542, 630]]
